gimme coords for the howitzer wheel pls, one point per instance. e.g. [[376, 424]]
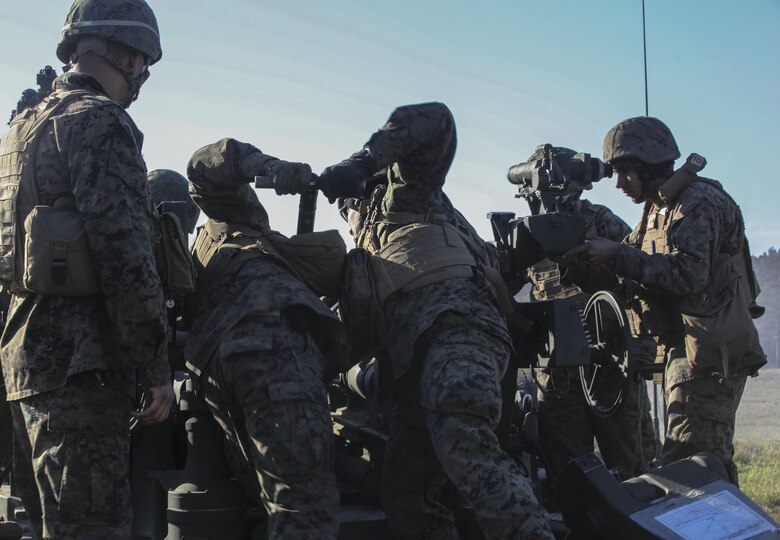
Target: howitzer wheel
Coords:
[[605, 381]]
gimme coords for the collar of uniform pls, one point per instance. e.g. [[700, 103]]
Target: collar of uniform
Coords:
[[74, 80]]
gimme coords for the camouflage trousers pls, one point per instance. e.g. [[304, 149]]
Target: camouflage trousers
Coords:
[[441, 445], [568, 426], [266, 391], [700, 414], [71, 450]]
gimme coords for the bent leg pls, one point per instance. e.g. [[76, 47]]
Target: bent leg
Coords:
[[627, 438], [413, 482], [461, 393], [275, 375]]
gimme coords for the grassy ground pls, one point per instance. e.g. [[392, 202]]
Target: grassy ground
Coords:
[[759, 473], [758, 416], [758, 441]]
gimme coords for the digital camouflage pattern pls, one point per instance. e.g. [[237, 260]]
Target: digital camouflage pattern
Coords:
[[85, 17], [89, 154], [644, 138], [672, 253], [567, 426], [265, 389], [77, 429], [260, 346], [701, 414], [447, 347], [441, 436]]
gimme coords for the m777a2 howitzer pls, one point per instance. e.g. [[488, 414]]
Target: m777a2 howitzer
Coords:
[[182, 485], [691, 498]]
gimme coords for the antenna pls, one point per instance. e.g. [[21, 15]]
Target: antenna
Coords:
[[644, 46]]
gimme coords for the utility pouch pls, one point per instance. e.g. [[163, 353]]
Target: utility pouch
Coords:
[[317, 257], [57, 257], [174, 262], [719, 332], [360, 305]]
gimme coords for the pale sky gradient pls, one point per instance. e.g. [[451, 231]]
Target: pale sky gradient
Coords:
[[308, 80]]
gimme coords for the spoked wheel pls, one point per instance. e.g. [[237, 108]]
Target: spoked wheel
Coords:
[[605, 381]]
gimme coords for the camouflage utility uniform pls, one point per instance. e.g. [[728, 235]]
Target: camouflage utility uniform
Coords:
[[261, 344], [71, 363], [447, 347], [691, 290], [673, 253], [567, 425]]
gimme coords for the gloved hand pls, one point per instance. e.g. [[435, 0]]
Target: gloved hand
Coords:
[[289, 178], [348, 178]]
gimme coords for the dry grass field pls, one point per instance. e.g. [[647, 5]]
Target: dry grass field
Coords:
[[758, 441]]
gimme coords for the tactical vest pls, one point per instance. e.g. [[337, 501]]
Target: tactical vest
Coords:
[[19, 195], [655, 315], [316, 259], [421, 249], [715, 328]]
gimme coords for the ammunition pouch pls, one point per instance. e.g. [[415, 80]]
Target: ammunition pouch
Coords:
[[43, 249], [57, 259], [172, 254], [317, 258]]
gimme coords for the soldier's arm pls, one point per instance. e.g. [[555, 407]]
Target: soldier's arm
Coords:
[[424, 132], [224, 168], [695, 237], [610, 226], [220, 174], [108, 180]]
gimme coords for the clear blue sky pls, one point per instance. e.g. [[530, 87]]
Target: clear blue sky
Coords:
[[308, 80]]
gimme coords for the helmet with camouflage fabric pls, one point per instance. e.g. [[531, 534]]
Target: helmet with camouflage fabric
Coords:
[[129, 22], [644, 138], [166, 185]]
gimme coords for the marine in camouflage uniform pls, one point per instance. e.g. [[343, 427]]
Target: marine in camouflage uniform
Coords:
[[260, 346], [71, 364], [567, 425], [689, 263], [447, 346]]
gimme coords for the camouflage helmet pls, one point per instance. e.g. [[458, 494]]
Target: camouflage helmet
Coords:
[[129, 22], [166, 185], [644, 138]]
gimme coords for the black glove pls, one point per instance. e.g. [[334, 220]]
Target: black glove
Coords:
[[289, 178], [348, 178]]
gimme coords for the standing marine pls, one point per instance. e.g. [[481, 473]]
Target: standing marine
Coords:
[[688, 265], [87, 321], [262, 344], [446, 346], [567, 424]]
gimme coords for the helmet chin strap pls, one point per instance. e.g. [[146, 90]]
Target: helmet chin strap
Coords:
[[645, 179], [99, 47]]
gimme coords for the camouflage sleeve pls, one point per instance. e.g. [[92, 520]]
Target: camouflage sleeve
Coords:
[[610, 226], [108, 179], [695, 238], [220, 174]]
